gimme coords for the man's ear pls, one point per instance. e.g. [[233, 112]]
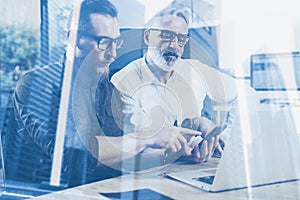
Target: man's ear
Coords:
[[74, 38], [146, 36]]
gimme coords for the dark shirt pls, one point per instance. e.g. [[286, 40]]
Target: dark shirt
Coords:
[[36, 106]]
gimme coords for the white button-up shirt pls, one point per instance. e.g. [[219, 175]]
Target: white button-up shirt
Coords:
[[150, 104]]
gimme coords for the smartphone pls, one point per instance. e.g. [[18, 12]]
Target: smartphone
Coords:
[[216, 131]]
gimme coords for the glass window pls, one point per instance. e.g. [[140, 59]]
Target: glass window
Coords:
[[53, 103]]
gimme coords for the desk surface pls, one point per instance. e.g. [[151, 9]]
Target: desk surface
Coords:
[[154, 180]]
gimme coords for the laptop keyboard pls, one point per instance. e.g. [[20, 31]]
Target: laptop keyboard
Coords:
[[206, 179], [209, 179]]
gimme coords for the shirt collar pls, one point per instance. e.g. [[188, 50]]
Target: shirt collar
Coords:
[[146, 73]]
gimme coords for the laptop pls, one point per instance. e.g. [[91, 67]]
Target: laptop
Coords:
[[265, 153]]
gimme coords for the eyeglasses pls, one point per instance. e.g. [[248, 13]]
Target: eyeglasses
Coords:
[[104, 42], [169, 36]]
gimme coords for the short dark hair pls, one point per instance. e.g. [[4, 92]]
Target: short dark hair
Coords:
[[88, 7]]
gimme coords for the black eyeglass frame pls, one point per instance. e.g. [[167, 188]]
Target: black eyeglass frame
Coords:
[[182, 38], [103, 40]]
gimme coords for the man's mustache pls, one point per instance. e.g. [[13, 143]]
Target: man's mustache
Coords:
[[170, 53]]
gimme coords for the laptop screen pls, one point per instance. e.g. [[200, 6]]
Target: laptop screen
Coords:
[[276, 71]]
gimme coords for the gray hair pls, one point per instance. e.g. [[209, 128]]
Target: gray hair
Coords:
[[169, 11]]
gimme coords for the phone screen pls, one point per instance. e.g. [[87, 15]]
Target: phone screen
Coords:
[[216, 131]]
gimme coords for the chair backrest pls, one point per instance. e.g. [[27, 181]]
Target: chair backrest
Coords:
[[202, 46]]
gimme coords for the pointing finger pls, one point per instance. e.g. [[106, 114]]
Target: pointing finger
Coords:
[[186, 131]]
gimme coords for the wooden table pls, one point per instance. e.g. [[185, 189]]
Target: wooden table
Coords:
[[153, 179]]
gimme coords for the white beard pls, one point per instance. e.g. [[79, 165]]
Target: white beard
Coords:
[[159, 60]]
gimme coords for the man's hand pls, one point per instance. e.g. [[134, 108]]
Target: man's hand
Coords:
[[201, 153], [173, 138], [206, 151]]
